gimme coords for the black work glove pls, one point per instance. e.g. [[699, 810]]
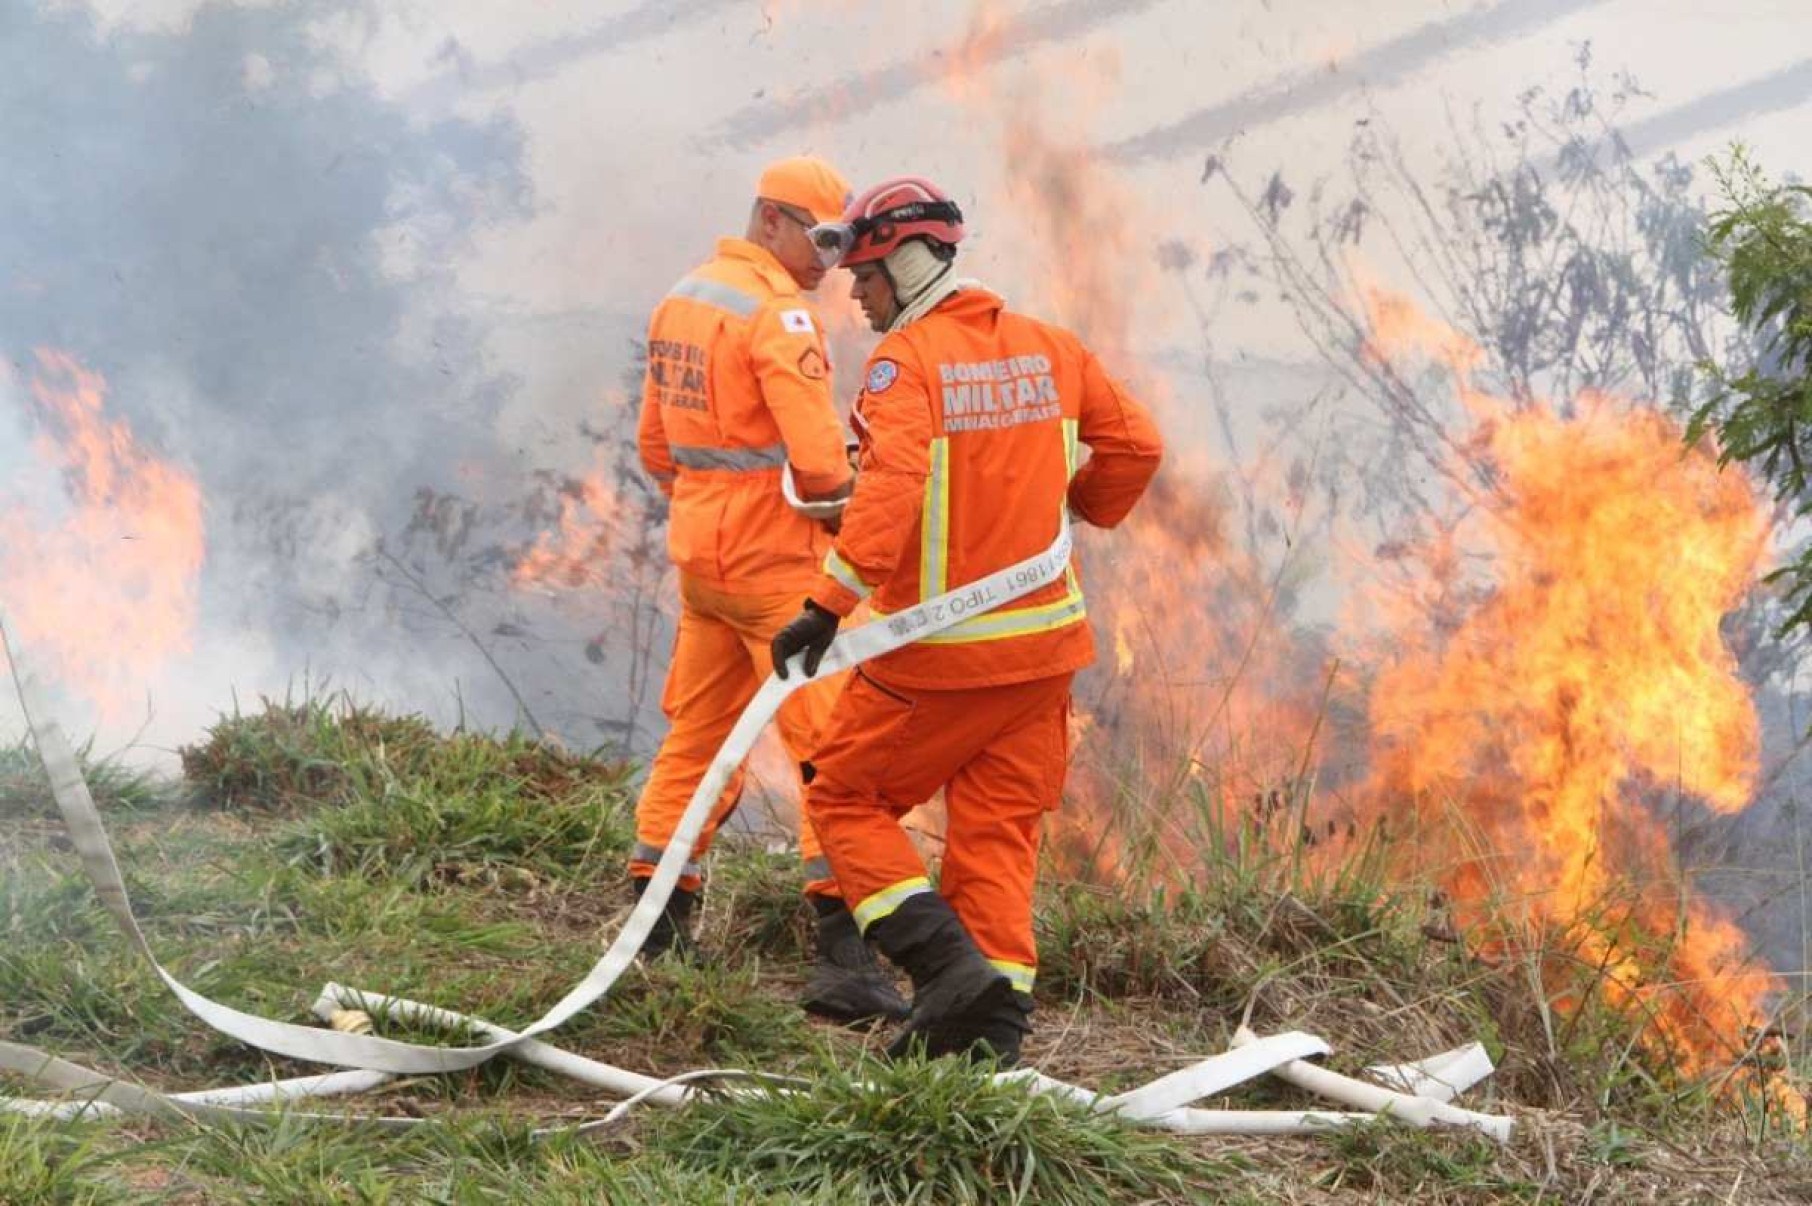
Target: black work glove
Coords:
[[812, 631]]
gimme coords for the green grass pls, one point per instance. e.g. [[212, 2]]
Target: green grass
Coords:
[[117, 789], [321, 840], [931, 1132], [57, 1165], [468, 1159], [322, 749]]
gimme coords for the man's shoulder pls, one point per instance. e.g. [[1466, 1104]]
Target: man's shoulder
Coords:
[[896, 346], [1002, 326], [760, 273], [735, 284], [894, 355], [1019, 320], [736, 269], [774, 293]]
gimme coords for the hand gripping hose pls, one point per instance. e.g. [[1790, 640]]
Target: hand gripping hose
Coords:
[[365, 1051]]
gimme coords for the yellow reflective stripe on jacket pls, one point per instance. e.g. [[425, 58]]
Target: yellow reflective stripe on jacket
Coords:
[[934, 551], [999, 625], [934, 560], [846, 575], [1021, 974], [883, 903], [1072, 455]]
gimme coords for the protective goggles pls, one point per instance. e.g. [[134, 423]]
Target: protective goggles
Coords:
[[834, 240]]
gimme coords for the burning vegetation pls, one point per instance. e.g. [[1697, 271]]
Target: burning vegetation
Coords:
[[1528, 684], [1477, 776], [1555, 687], [101, 563]]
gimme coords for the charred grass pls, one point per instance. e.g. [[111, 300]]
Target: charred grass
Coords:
[[321, 840]]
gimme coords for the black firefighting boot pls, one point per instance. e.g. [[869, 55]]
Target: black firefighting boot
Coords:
[[954, 987], [995, 1039], [848, 984], [672, 932]]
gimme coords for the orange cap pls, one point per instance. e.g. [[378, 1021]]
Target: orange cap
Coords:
[[806, 182]]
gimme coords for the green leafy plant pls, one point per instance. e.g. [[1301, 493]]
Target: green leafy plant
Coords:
[[1761, 411]]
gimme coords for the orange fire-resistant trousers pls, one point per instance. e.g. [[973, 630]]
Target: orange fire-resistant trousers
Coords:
[[720, 659], [1000, 753]]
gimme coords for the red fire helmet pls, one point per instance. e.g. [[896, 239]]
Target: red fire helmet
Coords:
[[883, 217]]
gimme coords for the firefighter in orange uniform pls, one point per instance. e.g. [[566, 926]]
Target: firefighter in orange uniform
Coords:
[[971, 419], [739, 430]]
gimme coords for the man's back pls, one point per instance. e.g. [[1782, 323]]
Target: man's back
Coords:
[[738, 385], [1000, 403]]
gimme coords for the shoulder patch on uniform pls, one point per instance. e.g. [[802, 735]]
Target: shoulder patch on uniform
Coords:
[[811, 364], [797, 321], [881, 374]]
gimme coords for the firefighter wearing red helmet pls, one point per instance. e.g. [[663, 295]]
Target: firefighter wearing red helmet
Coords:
[[971, 420], [907, 230]]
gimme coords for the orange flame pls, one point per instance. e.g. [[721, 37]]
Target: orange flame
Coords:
[[1533, 715], [1591, 671], [105, 588], [1530, 722], [574, 548], [1205, 672], [966, 73], [575, 551]]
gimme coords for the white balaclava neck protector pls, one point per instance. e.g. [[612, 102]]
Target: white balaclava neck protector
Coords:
[[920, 280]]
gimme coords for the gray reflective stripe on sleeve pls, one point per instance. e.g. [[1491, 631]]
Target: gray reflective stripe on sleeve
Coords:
[[716, 293], [644, 853], [694, 456], [816, 868]]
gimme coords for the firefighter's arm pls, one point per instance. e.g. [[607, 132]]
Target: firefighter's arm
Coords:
[[1124, 449], [895, 423], [787, 350], [651, 438]]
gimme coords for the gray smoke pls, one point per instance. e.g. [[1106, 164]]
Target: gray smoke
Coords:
[[1721, 108], [257, 248], [856, 95], [647, 20], [1307, 91], [253, 248]]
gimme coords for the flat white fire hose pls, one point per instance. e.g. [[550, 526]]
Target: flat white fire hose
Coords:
[[1417, 1111], [1439, 1077], [390, 1055], [820, 509], [377, 1059], [98, 1094]]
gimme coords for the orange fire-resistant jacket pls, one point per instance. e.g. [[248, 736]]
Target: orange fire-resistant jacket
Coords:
[[969, 421], [738, 385]]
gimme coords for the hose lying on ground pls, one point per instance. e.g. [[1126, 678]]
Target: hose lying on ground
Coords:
[[350, 1048]]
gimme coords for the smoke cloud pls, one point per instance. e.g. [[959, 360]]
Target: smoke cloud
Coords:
[[260, 248], [254, 248], [1308, 91]]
